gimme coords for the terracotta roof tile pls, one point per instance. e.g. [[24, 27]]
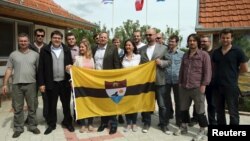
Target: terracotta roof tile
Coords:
[[224, 13], [48, 6]]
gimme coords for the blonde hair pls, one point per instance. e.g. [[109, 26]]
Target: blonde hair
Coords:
[[86, 43]]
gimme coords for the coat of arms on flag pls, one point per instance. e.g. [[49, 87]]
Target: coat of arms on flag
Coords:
[[116, 90]]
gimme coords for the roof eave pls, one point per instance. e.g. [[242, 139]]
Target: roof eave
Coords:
[[28, 9], [202, 29]]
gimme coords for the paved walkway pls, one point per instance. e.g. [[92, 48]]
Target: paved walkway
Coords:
[[60, 134]]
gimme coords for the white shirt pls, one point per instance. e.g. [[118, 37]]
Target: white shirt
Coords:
[[150, 51], [57, 50], [141, 44], [135, 60], [99, 56]]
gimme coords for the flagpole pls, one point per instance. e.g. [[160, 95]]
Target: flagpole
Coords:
[[113, 16], [179, 15], [179, 20], [147, 13]]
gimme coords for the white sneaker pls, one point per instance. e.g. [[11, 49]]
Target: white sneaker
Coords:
[[83, 129], [168, 132], [145, 128], [126, 129]]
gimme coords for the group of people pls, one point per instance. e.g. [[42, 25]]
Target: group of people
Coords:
[[201, 72]]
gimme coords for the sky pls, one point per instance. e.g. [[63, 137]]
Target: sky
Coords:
[[159, 14]]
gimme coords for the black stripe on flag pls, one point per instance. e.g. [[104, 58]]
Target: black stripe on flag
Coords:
[[101, 93]]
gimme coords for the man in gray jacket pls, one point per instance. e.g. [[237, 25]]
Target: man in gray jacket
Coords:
[[158, 53]]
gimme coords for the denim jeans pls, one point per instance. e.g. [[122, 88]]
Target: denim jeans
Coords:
[[175, 88], [146, 118], [164, 104]]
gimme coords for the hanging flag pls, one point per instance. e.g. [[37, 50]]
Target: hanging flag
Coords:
[[160, 0], [107, 1], [139, 5], [113, 92]]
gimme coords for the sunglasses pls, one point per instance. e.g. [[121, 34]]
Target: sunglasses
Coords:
[[148, 34], [39, 35]]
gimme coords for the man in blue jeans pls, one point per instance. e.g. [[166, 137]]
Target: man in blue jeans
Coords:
[[158, 53], [172, 76]]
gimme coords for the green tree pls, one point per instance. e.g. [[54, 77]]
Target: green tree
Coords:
[[81, 33], [243, 41], [123, 32], [170, 31], [126, 30]]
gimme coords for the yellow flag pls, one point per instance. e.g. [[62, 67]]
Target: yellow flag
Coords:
[[113, 92]]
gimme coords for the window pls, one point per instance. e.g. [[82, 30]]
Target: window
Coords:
[[9, 29], [23, 28], [6, 38]]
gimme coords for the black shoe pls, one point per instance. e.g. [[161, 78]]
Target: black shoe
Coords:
[[102, 127], [49, 130], [35, 131], [120, 119], [163, 129], [70, 128], [16, 134], [113, 130]]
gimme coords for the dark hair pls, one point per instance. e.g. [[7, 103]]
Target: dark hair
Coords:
[[95, 35], [206, 36], [137, 31], [70, 34], [125, 51], [39, 30], [115, 38], [196, 38], [56, 32], [174, 37], [226, 31]]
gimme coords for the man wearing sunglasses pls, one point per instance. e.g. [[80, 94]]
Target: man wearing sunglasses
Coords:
[[39, 40], [36, 46], [159, 39], [158, 53]]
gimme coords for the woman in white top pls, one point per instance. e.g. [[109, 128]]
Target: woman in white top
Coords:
[[130, 59], [85, 60]]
